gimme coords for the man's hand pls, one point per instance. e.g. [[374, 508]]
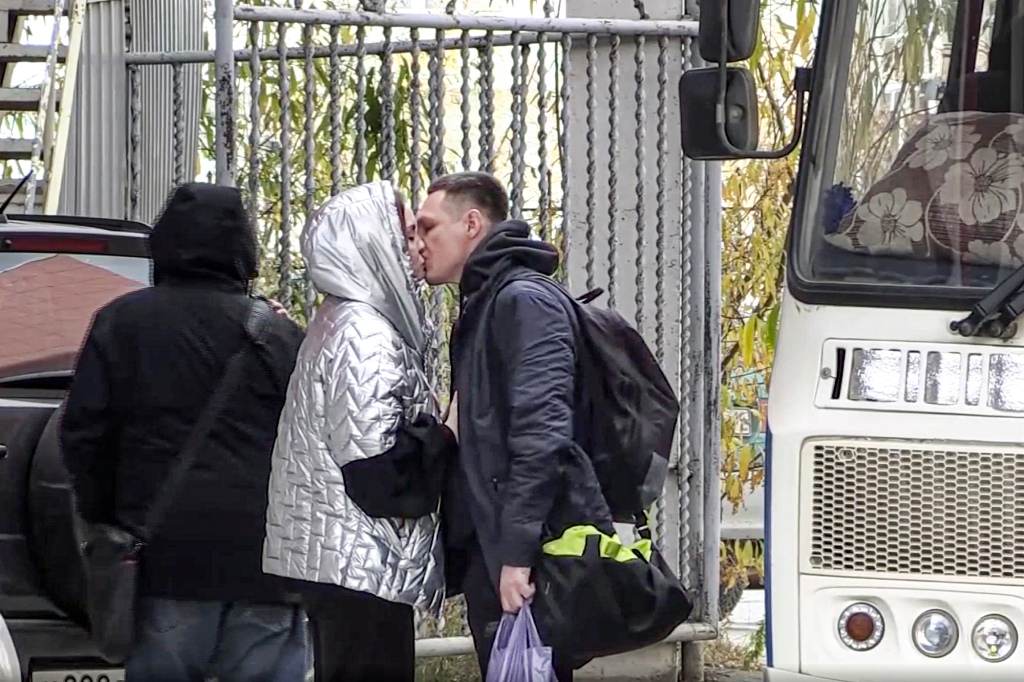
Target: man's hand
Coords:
[[515, 588]]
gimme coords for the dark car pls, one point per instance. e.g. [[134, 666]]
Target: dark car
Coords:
[[55, 272]]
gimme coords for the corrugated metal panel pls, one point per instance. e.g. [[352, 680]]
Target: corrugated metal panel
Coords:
[[97, 177], [159, 26]]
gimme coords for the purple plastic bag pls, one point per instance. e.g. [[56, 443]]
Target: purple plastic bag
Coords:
[[518, 654]]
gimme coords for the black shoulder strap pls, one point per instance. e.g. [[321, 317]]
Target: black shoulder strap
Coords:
[[255, 324], [526, 274]]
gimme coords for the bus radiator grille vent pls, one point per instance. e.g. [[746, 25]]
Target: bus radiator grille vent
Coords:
[[916, 510]]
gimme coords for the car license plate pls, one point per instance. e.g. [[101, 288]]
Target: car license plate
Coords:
[[79, 675]]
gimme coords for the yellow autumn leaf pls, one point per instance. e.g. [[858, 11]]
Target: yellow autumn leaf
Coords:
[[746, 457]]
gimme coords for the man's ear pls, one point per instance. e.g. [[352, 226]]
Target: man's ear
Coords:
[[475, 225]]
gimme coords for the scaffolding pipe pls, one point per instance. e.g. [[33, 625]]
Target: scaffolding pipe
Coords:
[[58, 162], [224, 60], [45, 113]]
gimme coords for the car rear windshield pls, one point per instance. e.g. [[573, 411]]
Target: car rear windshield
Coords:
[[47, 301]]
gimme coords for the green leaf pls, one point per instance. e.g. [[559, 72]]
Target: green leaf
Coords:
[[748, 341], [771, 328]]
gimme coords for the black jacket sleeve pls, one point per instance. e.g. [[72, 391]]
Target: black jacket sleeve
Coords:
[[284, 340], [405, 481], [537, 352], [88, 440]]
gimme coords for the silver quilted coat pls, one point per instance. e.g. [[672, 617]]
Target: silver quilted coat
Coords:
[[358, 376]]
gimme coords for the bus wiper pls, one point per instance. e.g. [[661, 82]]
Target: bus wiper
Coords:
[[995, 315]]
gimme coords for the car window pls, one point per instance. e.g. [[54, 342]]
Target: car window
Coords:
[[47, 301]]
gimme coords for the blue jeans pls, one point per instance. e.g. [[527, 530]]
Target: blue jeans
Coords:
[[192, 641]]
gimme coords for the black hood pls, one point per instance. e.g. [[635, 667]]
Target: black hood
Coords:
[[204, 233], [509, 245]]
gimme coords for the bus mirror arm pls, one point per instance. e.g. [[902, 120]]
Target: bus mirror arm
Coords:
[[801, 86], [719, 112], [995, 315]]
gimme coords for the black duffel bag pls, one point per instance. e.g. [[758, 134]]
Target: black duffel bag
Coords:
[[598, 597], [111, 554]]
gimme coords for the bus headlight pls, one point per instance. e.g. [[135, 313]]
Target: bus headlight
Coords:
[[935, 633], [994, 638], [861, 627]]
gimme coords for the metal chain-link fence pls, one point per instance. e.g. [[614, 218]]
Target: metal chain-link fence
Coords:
[[578, 116]]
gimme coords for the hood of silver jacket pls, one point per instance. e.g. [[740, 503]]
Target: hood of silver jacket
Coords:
[[354, 248], [358, 378]]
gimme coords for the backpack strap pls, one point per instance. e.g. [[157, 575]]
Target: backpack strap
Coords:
[[642, 525]]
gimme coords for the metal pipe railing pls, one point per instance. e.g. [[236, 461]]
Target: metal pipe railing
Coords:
[[467, 22], [326, 51], [442, 647], [439, 647]]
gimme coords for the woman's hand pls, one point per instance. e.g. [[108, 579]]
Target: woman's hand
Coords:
[[452, 418], [277, 307]]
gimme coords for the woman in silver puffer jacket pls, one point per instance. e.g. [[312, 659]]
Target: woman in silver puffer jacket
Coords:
[[358, 382]]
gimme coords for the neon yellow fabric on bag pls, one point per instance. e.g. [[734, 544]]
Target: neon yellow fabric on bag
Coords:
[[573, 542]]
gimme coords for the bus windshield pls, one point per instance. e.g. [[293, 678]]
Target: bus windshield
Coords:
[[912, 168]]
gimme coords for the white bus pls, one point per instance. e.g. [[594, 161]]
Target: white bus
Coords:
[[895, 494]]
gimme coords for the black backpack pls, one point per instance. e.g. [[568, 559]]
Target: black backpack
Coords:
[[631, 407]]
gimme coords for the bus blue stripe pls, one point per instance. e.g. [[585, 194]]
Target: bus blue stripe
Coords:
[[767, 546]]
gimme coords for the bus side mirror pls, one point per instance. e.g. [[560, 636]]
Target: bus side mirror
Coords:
[[698, 100], [740, 19], [719, 112]]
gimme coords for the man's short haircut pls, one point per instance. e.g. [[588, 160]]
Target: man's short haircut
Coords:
[[478, 189]]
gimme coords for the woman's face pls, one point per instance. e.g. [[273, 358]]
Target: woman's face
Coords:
[[412, 242]]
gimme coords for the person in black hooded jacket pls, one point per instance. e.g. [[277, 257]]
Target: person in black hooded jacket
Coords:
[[147, 368], [522, 475]]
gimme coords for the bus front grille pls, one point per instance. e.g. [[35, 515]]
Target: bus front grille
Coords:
[[898, 508]]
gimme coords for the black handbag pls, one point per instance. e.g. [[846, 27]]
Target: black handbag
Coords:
[[111, 554]]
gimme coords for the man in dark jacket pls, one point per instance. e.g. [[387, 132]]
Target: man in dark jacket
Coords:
[[523, 476], [149, 365]]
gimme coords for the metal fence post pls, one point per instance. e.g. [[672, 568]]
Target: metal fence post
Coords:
[[705, 199], [624, 222], [224, 57]]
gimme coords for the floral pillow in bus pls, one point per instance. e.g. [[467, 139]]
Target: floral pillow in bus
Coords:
[[954, 192]]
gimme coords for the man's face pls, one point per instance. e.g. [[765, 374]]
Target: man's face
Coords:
[[448, 232], [413, 242]]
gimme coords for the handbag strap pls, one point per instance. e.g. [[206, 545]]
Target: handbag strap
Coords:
[[256, 321]]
